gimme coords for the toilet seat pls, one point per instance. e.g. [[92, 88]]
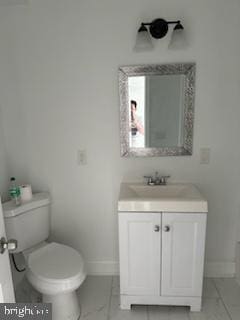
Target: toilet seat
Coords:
[[55, 268]]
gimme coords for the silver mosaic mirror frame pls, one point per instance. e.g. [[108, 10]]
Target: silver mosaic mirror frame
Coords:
[[187, 69]]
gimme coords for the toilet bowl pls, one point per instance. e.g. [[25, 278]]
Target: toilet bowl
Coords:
[[53, 269], [56, 271]]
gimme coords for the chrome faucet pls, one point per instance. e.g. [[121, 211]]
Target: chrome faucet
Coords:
[[157, 180]]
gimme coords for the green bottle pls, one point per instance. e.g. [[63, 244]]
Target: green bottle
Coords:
[[15, 192]]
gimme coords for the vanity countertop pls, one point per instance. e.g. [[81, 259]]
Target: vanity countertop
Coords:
[[173, 197]]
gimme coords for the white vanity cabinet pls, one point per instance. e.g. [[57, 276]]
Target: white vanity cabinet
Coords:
[[161, 258]]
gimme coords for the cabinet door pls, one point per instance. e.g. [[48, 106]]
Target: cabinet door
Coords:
[[139, 247], [183, 243]]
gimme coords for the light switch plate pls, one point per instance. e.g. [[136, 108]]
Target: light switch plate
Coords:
[[82, 157], [204, 155]]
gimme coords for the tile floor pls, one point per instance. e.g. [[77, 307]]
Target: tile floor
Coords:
[[99, 299]]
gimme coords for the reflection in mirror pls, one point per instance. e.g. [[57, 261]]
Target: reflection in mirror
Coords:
[[156, 107], [156, 103]]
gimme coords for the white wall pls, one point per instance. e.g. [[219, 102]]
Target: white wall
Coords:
[[60, 94], [3, 163], [165, 110]]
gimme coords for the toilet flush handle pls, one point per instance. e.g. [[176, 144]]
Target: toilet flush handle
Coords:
[[7, 245]]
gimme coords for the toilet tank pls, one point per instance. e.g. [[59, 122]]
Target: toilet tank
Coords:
[[28, 223]]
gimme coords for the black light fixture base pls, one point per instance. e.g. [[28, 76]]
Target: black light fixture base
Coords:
[[158, 28]]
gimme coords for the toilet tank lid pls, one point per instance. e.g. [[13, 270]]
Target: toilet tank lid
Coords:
[[38, 200]]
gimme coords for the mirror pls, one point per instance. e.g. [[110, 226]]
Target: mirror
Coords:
[[157, 109]]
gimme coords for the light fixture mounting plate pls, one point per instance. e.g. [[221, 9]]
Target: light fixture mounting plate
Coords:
[[158, 28]]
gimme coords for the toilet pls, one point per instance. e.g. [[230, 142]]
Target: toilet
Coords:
[[53, 269]]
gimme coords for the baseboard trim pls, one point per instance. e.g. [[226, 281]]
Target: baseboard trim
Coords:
[[212, 269]]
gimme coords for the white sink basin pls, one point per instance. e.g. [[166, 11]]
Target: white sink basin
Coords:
[[177, 197]]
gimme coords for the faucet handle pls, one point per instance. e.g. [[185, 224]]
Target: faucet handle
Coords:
[[157, 178], [163, 179], [149, 179]]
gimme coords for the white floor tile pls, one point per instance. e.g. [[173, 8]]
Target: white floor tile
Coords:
[[234, 312], [212, 309], [229, 291], [116, 285], [94, 297], [136, 312], [168, 313], [209, 289], [99, 300]]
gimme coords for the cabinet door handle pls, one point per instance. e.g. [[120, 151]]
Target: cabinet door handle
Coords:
[[156, 228], [166, 228]]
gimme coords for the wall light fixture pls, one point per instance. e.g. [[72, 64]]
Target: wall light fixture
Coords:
[[158, 28]]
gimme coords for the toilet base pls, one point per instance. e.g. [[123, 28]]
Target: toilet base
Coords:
[[64, 306]]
